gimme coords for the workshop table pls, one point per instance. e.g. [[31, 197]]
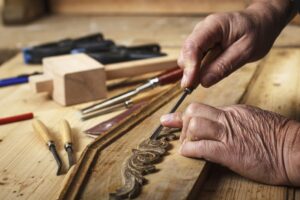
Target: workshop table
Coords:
[[27, 170]]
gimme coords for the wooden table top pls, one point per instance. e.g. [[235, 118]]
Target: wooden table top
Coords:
[[27, 169]]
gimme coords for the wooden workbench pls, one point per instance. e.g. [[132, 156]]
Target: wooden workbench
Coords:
[[27, 170]]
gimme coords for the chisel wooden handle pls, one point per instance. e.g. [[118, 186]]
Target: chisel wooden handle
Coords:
[[66, 132], [171, 76], [42, 130]]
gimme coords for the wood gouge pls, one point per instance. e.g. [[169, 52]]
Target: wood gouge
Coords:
[[168, 77], [42, 131], [65, 129]]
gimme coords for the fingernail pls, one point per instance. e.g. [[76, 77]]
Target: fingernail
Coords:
[[209, 80], [166, 118], [184, 81]]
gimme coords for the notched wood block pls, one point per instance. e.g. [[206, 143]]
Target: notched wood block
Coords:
[[72, 79]]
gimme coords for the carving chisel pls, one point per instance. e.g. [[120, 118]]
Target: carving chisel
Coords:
[[42, 130], [186, 92], [170, 76], [126, 104], [67, 138]]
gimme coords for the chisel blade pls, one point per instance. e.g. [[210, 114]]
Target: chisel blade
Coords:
[[70, 156], [57, 158]]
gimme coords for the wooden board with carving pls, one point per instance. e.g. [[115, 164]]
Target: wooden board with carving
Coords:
[[104, 175]]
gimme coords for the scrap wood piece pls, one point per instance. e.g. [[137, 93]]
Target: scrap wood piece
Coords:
[[141, 163], [75, 182]]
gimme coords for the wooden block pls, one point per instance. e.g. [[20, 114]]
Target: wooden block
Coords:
[[41, 83], [76, 78]]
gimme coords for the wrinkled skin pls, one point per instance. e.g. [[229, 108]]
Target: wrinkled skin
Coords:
[[255, 143], [243, 37]]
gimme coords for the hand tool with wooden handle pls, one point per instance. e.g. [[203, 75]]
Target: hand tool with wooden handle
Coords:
[[208, 58], [42, 130], [67, 139], [170, 76]]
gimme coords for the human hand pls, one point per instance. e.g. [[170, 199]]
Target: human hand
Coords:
[[244, 37], [255, 143]]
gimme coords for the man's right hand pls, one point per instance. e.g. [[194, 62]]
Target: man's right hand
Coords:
[[243, 36]]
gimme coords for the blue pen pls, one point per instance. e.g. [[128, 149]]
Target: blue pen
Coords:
[[16, 80]]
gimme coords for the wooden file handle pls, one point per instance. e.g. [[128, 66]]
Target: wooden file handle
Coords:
[[171, 76], [42, 130], [66, 131]]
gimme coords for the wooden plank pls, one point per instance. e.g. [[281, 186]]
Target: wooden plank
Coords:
[[224, 184], [175, 171], [169, 32], [296, 20], [145, 7], [275, 88]]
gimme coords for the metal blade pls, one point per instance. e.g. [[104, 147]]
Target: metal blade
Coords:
[[103, 111], [110, 102], [57, 158], [122, 97], [70, 156]]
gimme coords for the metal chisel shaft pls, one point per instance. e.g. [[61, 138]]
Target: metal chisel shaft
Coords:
[[186, 92]]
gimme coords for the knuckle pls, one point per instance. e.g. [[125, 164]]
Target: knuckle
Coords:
[[193, 125], [190, 110], [212, 18]]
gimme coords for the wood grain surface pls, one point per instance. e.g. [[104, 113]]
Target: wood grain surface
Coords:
[[171, 7], [27, 169], [167, 31]]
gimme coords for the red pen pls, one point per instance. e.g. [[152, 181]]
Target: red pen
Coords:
[[16, 118]]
